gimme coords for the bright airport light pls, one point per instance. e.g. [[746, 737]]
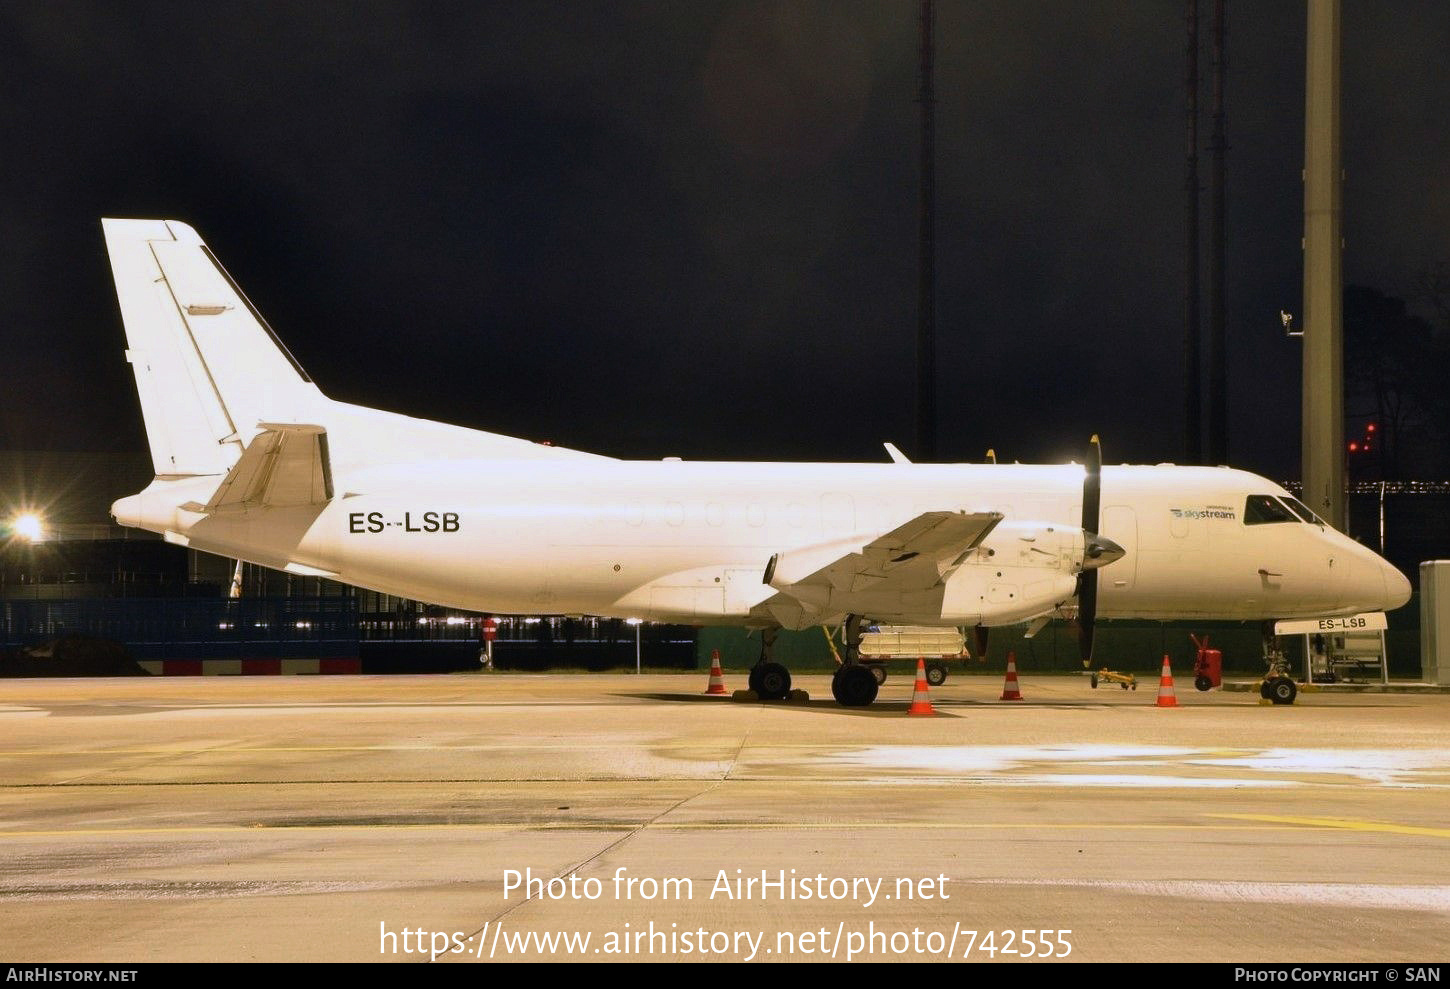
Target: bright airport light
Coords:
[[29, 526]]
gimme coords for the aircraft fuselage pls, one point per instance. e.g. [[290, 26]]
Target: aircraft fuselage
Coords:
[[689, 541]]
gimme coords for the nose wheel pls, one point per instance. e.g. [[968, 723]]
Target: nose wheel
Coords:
[[1279, 690]]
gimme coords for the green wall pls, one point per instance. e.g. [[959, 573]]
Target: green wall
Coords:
[[1130, 646]]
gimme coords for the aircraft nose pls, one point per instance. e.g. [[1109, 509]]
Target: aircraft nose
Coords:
[[1397, 587]]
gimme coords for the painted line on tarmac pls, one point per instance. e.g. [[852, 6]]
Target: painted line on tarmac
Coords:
[[1048, 782], [1373, 896], [1345, 824], [186, 889], [566, 826], [731, 744]]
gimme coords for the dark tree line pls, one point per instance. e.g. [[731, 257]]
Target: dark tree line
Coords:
[[1397, 376]]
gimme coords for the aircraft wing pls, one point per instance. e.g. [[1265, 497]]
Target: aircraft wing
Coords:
[[284, 466], [912, 557]]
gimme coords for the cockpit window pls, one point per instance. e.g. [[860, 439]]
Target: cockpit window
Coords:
[[1302, 510], [1264, 509]]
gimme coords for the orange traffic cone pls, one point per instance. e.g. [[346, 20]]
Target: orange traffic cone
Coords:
[[717, 678], [1166, 697], [1010, 692], [920, 696]]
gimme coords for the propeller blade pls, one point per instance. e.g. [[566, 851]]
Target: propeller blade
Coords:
[[1092, 486], [1087, 581], [1087, 614]]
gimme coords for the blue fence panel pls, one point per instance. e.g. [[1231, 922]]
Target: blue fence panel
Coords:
[[193, 628]]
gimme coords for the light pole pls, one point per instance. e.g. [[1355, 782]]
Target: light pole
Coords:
[[30, 528], [636, 622]]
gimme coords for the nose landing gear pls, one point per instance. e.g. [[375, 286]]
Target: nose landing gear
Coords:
[[1278, 686], [1279, 690]]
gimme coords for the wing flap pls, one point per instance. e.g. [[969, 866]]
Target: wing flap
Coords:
[[937, 535], [913, 556]]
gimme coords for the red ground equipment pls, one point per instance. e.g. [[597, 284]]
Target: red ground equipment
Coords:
[[1207, 665]]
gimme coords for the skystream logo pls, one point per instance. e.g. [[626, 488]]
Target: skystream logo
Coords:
[[1210, 512]]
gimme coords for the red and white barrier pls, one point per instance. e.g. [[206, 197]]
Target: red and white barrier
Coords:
[[249, 667]]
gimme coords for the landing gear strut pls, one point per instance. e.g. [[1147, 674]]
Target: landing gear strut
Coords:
[[852, 637], [1278, 685], [769, 679], [854, 685]]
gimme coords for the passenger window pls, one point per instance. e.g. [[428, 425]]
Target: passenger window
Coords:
[[1302, 510], [1264, 509]]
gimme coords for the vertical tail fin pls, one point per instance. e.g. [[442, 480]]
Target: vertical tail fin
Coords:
[[207, 365]]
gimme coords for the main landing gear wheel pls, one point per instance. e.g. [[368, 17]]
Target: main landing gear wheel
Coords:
[[1093, 679], [771, 681], [1202, 682], [878, 670], [936, 674], [1282, 690], [854, 685]]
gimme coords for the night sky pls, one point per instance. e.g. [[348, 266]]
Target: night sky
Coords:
[[689, 228]]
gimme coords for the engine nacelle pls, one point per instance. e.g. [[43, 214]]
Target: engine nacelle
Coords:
[[1024, 569]]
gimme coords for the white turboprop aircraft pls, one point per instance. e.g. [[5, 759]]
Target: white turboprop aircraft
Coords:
[[254, 462]]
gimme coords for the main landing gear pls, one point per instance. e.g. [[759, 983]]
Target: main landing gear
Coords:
[[854, 684], [769, 679]]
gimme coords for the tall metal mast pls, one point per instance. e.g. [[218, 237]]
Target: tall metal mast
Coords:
[[1217, 345], [1323, 436], [926, 301], [1192, 331]]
